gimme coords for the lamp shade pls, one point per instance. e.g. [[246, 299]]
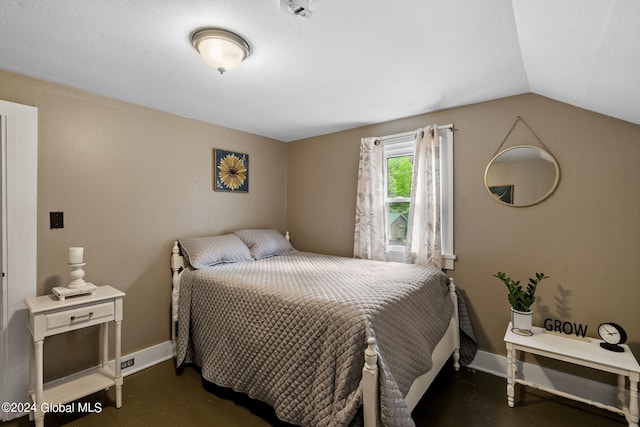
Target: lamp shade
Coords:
[[221, 49]]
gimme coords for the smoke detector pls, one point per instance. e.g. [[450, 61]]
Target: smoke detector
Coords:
[[297, 7]]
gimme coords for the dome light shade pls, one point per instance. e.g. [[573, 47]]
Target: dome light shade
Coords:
[[221, 49]]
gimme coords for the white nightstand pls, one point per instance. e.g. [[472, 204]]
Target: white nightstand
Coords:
[[48, 316], [583, 353]]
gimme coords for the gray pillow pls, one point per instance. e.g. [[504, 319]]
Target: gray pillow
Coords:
[[212, 250], [265, 243]]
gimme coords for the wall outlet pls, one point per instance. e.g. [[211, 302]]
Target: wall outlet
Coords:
[[127, 363]]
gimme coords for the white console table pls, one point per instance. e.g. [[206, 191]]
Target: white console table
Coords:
[[49, 316], [584, 353]]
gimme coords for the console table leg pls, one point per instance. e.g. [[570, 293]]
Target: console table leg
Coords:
[[118, 367], [511, 375], [633, 399], [32, 376], [39, 390], [104, 344]]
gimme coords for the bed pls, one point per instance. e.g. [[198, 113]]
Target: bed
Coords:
[[324, 340]]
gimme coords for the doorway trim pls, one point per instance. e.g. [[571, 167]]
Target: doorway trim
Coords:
[[19, 178]]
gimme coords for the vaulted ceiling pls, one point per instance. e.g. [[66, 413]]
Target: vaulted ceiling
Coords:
[[353, 63]]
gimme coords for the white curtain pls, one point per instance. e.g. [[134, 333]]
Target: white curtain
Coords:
[[370, 240], [424, 243]]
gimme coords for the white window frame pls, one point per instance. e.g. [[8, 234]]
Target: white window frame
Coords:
[[447, 196], [396, 147], [404, 144]]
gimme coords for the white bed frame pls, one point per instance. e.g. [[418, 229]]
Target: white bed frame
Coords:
[[448, 346]]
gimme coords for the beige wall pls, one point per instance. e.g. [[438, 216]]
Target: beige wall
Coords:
[[586, 236], [130, 180]]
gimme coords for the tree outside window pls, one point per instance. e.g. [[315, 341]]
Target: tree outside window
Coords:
[[399, 171]]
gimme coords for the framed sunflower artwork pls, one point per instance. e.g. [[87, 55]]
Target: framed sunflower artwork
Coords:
[[230, 171]]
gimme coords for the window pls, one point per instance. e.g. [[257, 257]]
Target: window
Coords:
[[398, 152], [398, 170]]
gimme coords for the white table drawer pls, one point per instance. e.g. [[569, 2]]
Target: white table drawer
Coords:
[[81, 315]]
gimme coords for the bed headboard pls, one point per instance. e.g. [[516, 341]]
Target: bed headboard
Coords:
[[177, 260]]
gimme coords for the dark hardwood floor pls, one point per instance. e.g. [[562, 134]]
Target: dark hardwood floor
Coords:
[[469, 398], [158, 397]]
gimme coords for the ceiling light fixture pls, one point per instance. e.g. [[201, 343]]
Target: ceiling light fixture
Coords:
[[221, 49]]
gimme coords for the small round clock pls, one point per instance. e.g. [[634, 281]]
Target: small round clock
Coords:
[[612, 334]]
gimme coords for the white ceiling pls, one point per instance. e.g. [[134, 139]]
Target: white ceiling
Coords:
[[353, 63]]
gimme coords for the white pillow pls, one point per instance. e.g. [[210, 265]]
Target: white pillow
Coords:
[[212, 250], [265, 243]]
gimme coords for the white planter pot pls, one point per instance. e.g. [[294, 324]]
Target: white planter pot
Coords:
[[521, 322]]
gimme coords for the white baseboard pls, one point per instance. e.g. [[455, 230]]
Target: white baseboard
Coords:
[[143, 359], [549, 378], [146, 357]]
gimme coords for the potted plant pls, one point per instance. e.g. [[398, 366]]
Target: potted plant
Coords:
[[521, 300]]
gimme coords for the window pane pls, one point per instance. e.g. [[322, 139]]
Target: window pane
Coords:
[[399, 171], [397, 218]]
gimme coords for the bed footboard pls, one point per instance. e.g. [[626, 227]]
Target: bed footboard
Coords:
[[449, 346], [370, 393]]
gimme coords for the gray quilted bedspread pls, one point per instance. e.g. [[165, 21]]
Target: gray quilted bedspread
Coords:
[[291, 331]]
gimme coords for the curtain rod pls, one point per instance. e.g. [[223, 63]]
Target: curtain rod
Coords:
[[411, 133]]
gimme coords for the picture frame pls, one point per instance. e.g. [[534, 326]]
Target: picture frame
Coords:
[[230, 171], [503, 193]]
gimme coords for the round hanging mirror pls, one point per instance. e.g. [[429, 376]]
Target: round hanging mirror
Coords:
[[522, 176]]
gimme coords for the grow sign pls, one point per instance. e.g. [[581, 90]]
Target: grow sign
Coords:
[[569, 328]]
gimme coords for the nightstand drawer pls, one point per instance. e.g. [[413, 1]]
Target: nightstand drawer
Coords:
[[70, 318]]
